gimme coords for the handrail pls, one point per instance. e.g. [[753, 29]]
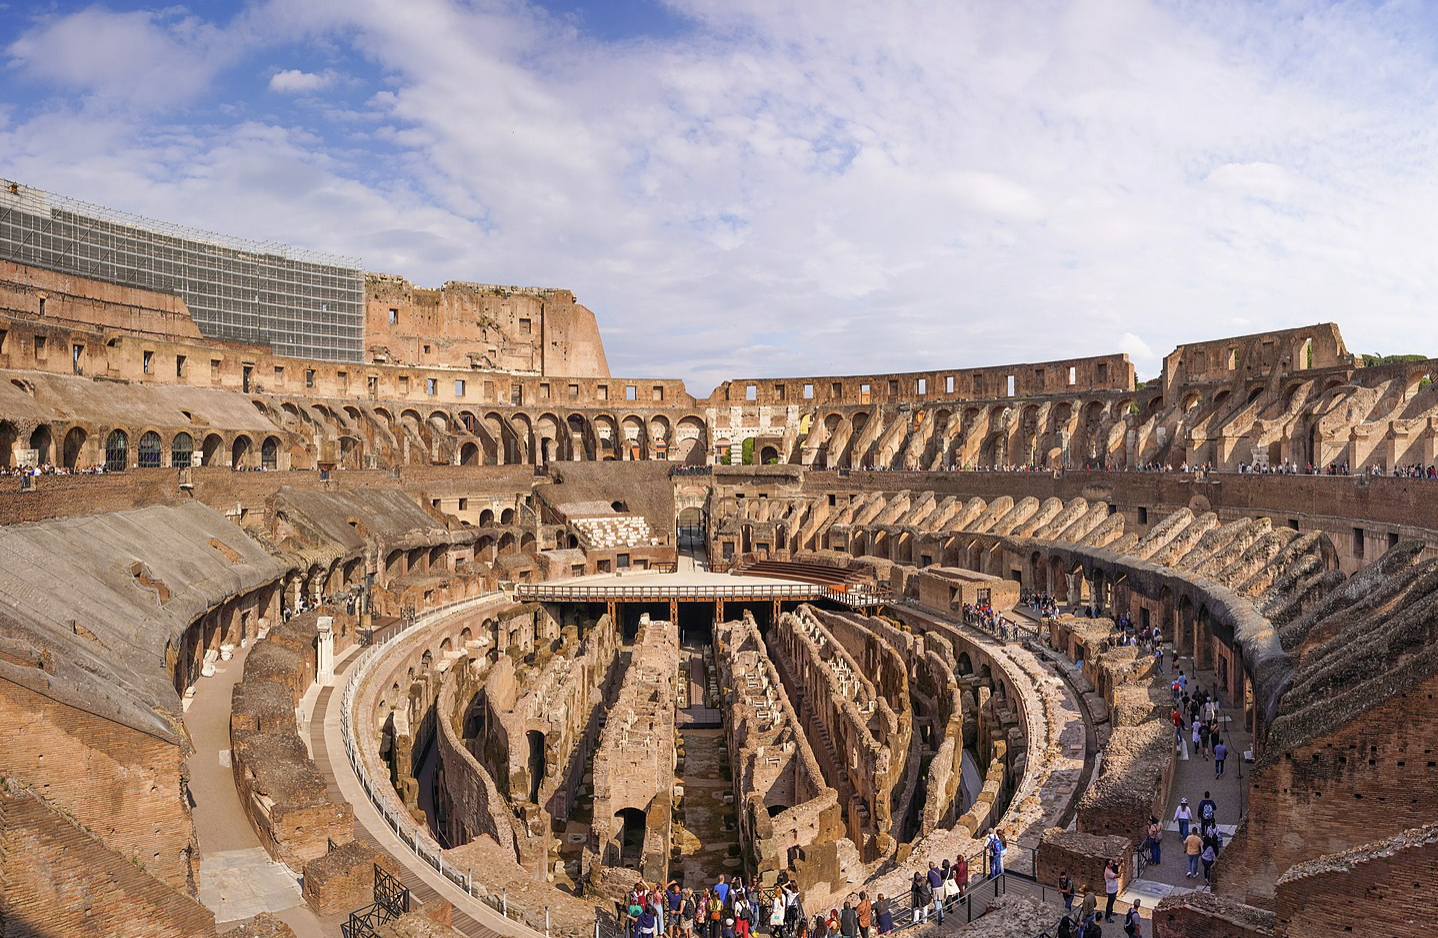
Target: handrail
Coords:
[[382, 796], [543, 592]]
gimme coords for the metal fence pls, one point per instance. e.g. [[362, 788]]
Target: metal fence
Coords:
[[382, 795]]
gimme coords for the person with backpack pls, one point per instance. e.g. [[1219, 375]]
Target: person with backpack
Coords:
[[1132, 922], [1207, 811]]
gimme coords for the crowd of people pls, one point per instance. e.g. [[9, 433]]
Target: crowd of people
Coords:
[[51, 470], [730, 908]]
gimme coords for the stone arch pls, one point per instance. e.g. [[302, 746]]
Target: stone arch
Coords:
[[240, 451], [149, 452], [117, 451], [9, 434], [42, 442], [182, 449], [469, 455], [270, 453], [74, 447], [210, 449]]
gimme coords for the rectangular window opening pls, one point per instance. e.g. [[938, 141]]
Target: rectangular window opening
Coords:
[[148, 358], [808, 392], [923, 386]]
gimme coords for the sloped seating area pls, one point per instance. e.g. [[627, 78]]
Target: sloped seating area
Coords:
[[821, 574], [613, 531]]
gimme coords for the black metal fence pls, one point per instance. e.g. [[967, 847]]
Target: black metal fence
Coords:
[[391, 900]]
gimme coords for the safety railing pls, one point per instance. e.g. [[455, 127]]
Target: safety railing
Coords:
[[545, 592], [382, 795]]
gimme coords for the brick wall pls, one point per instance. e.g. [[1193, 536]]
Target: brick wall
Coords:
[[1205, 915], [125, 786], [1372, 779], [60, 880], [1385, 889], [1084, 856]]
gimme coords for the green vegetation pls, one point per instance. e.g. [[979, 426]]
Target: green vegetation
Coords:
[[1370, 361], [748, 451]]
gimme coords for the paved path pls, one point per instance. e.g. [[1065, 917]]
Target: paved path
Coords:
[[238, 879], [471, 917], [1193, 775]]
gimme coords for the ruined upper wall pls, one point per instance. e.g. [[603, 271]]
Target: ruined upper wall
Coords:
[[1257, 355], [1072, 375], [532, 330]]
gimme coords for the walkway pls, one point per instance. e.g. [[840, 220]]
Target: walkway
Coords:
[[238, 879], [1193, 775], [471, 917]]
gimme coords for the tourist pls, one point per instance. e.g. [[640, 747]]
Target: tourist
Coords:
[[715, 907], [961, 872], [1132, 921], [1220, 752], [997, 848], [920, 897], [1205, 734], [848, 921], [1066, 891], [688, 913], [1090, 903], [1182, 816], [1210, 853], [1155, 834], [1066, 927], [645, 925], [884, 915], [952, 888], [1208, 810], [936, 889], [1110, 888], [776, 915], [721, 889], [1197, 734], [1192, 847], [865, 913]]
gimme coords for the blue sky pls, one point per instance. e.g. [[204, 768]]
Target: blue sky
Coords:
[[756, 187]]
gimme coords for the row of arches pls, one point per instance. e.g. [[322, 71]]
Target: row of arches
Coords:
[[119, 449]]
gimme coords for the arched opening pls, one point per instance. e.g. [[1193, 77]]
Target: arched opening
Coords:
[[210, 449], [631, 836], [486, 517], [8, 435], [768, 456], [74, 446], [148, 452], [536, 763], [117, 451], [40, 442], [506, 516], [469, 455], [182, 450], [270, 453], [240, 452]]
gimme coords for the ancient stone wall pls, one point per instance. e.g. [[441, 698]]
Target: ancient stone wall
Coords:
[[1389, 885], [1206, 915], [281, 791], [1366, 780], [61, 879], [131, 792], [786, 806], [470, 803], [634, 765]]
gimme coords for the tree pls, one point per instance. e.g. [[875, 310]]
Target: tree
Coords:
[[748, 450]]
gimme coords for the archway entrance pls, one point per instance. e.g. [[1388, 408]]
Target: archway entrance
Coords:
[[536, 763], [631, 836]]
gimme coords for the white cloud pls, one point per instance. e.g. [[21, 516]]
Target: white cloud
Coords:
[[136, 58], [295, 81], [873, 186]]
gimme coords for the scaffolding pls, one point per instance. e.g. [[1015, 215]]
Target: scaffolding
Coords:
[[300, 303]]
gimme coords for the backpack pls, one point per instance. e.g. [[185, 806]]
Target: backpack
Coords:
[[1208, 811], [1130, 923]]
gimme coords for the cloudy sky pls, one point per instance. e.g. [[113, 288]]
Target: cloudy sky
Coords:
[[785, 187]]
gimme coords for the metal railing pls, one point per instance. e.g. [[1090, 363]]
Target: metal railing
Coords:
[[541, 592], [382, 794]]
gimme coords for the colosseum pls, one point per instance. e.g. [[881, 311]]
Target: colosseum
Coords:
[[335, 604]]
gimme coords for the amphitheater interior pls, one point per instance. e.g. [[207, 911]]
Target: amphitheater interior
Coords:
[[368, 607]]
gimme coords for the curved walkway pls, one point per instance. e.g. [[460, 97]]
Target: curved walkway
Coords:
[[238, 879], [471, 917]]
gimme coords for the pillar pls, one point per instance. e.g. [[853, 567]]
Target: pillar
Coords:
[[325, 652]]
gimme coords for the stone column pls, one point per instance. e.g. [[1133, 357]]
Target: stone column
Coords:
[[325, 652]]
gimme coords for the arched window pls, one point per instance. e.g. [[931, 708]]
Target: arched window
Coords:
[[270, 453], [182, 449], [149, 451], [117, 451]]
